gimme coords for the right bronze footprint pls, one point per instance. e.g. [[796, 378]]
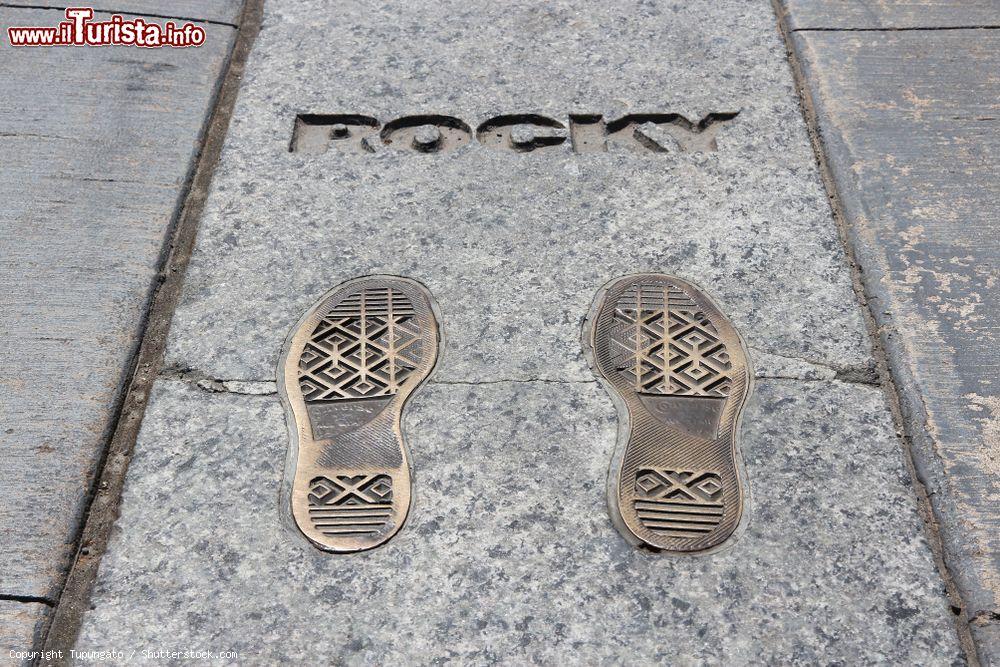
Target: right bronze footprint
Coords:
[[680, 376]]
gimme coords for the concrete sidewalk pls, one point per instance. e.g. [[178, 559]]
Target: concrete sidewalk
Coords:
[[509, 555], [905, 101], [98, 148]]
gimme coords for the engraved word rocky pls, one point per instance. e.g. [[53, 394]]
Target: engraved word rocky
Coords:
[[520, 133]]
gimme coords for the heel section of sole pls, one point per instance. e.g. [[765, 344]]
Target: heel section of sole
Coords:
[[351, 505]]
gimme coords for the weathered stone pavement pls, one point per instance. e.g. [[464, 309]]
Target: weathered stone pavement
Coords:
[[97, 146], [509, 555], [905, 100]]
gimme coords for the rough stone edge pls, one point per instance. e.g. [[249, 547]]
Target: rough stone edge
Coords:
[[869, 277], [102, 512]]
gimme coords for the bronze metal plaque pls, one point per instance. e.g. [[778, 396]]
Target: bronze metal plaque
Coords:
[[680, 376], [347, 370]]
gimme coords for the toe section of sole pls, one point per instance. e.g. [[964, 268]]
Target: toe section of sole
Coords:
[[347, 370], [679, 374]]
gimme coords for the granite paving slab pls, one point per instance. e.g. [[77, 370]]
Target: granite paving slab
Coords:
[[97, 146], [909, 123], [509, 557], [514, 245]]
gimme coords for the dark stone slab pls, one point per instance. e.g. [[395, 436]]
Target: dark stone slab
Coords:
[[890, 14], [97, 146], [910, 121], [20, 625], [216, 11]]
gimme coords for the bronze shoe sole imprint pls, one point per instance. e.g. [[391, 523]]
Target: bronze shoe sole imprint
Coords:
[[679, 374], [347, 370]]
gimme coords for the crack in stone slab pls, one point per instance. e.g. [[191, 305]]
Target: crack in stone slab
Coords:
[[863, 375], [214, 385], [792, 378], [902, 29], [27, 599], [984, 618], [244, 387], [854, 374]]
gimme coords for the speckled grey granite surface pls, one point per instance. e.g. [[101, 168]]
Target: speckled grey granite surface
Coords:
[[509, 556], [515, 245]]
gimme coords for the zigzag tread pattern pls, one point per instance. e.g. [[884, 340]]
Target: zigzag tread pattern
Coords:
[[366, 346], [350, 505], [679, 503], [664, 344]]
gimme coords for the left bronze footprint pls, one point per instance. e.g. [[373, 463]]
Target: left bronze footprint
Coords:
[[347, 370]]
